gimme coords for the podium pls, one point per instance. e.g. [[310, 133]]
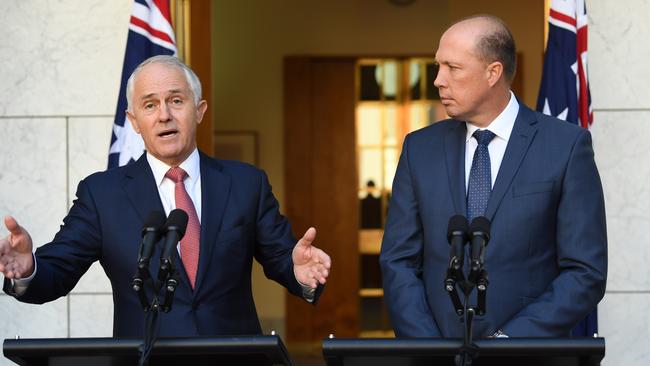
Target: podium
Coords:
[[494, 351], [254, 350]]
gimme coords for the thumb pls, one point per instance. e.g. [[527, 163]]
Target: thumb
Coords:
[[309, 237], [12, 225]]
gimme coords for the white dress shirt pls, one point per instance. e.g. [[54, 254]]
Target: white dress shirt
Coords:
[[502, 128], [192, 166]]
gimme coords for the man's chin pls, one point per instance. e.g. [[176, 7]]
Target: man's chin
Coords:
[[170, 158], [451, 113]]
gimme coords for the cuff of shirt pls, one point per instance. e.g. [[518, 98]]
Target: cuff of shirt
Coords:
[[308, 293], [19, 285]]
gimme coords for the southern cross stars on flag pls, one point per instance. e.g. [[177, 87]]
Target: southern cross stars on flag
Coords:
[[564, 91], [150, 34]]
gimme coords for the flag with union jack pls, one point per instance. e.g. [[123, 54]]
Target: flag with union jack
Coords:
[[564, 92], [150, 34]]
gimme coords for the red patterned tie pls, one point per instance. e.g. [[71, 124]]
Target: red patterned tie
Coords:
[[190, 244]]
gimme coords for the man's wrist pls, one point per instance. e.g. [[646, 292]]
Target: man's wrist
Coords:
[[19, 285], [308, 293]]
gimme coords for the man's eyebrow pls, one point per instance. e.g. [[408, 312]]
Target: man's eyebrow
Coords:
[[147, 96], [170, 91]]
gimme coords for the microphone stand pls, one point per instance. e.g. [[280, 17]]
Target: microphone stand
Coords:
[[479, 279], [153, 308], [468, 351], [454, 276], [174, 229]]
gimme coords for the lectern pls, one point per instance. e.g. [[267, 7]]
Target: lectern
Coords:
[[433, 352], [255, 350]]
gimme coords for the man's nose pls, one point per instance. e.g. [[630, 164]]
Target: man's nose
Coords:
[[439, 80], [164, 114]]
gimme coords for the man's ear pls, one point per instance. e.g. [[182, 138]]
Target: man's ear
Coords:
[[494, 72], [134, 122], [200, 111]]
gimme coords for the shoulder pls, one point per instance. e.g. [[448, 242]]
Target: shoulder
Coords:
[[434, 134], [106, 177], [549, 124], [232, 168], [241, 175], [436, 129]]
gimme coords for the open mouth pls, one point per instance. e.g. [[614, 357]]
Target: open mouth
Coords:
[[168, 133]]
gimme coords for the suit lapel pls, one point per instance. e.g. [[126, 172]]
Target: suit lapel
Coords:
[[215, 190], [140, 187], [455, 156], [522, 135], [142, 190]]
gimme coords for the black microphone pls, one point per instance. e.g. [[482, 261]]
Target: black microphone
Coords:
[[174, 231], [457, 237], [151, 234], [479, 231]]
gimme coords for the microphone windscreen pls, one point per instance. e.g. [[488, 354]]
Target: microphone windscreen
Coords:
[[155, 221], [480, 223], [457, 223], [177, 220]]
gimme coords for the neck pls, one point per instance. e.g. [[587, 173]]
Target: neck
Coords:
[[495, 105]]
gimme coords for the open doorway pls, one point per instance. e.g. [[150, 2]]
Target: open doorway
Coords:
[[344, 124]]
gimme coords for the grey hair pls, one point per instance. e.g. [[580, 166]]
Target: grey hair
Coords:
[[173, 61]]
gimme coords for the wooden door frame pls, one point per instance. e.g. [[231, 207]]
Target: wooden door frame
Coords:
[[321, 189]]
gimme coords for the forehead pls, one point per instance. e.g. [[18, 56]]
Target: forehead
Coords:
[[159, 78], [459, 42]]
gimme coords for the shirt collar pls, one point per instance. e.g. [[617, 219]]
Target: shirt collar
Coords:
[[191, 165], [503, 124]]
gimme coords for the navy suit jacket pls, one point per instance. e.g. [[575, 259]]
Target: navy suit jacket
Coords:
[[240, 221], [547, 257]]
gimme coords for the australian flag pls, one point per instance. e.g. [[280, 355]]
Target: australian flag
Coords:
[[564, 92], [150, 34]]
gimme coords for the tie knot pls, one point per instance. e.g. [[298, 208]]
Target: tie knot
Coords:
[[483, 136], [176, 174]]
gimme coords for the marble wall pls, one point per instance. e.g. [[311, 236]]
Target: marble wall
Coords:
[[620, 89], [61, 65]]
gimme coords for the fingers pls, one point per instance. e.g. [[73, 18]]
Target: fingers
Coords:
[[312, 275], [323, 268], [322, 257], [319, 268]]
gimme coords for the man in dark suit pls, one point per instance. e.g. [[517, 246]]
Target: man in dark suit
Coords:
[[233, 218], [547, 256]]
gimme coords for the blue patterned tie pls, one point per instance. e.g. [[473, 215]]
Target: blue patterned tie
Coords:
[[480, 178]]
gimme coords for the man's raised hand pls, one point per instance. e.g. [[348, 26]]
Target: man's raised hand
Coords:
[[16, 259], [310, 264]]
